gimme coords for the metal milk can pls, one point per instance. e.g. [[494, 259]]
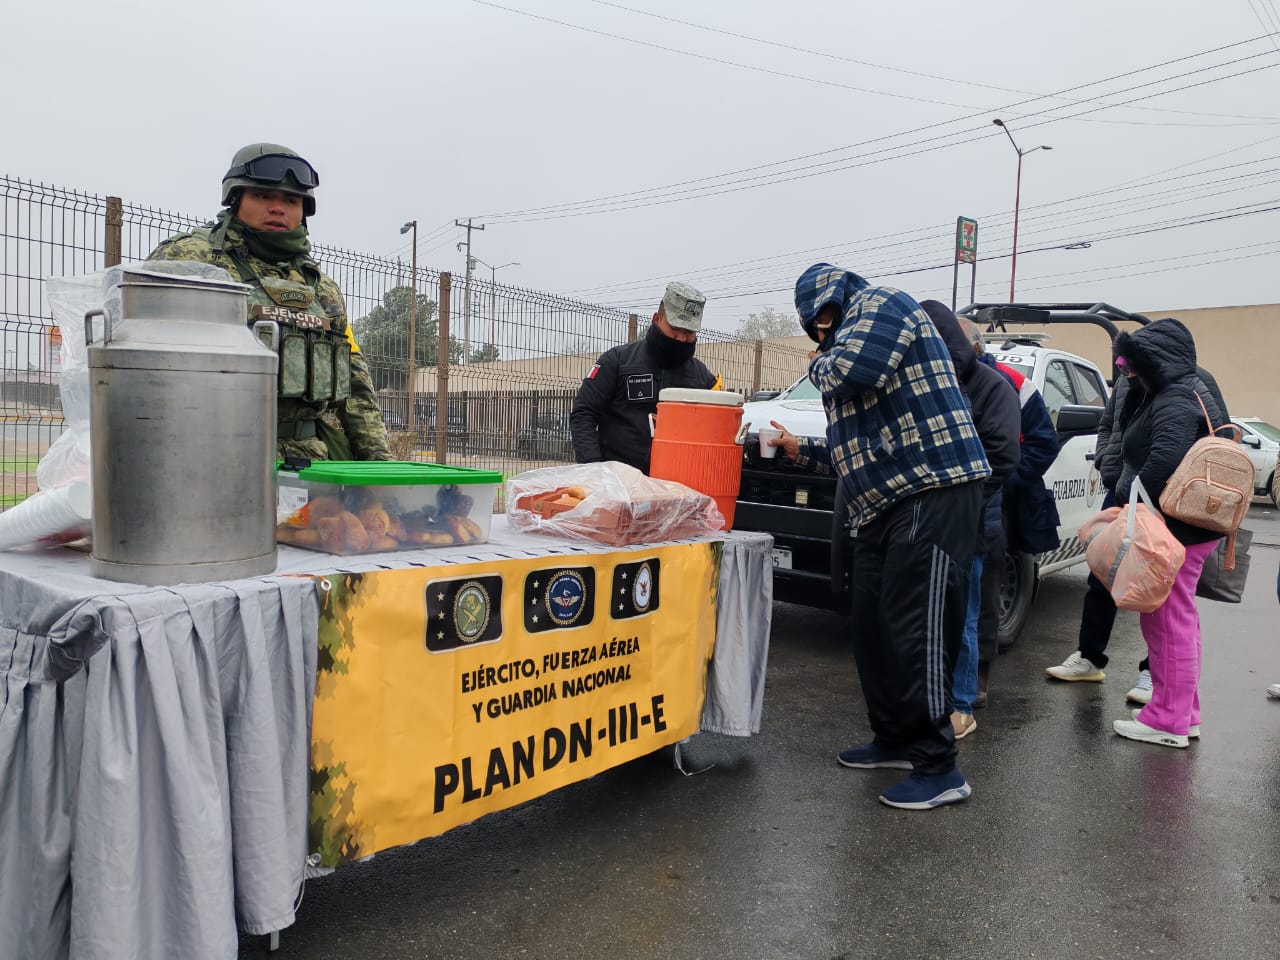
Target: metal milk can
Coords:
[[182, 410]]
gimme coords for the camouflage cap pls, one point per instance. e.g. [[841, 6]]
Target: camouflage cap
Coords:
[[683, 306]]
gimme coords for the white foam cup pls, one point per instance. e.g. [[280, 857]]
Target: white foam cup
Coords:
[[52, 516], [767, 450]]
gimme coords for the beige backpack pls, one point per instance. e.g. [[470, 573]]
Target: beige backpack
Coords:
[[1212, 486]]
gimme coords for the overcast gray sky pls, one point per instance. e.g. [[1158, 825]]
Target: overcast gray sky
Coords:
[[608, 147]]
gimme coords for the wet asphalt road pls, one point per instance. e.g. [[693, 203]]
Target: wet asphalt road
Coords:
[[1075, 844]]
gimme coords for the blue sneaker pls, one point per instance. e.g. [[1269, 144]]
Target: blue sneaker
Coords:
[[924, 792], [873, 757]]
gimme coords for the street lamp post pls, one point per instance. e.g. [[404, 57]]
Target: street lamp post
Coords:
[[1017, 200], [493, 292], [409, 420]]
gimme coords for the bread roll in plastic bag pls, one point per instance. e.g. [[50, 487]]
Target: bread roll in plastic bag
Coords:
[[609, 503]]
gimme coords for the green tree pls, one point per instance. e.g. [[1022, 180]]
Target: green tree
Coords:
[[383, 336], [484, 353], [769, 323]]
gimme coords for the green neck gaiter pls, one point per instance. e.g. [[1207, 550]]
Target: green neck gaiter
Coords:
[[274, 245]]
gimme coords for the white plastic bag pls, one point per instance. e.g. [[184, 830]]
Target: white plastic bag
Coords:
[[61, 509], [609, 503]]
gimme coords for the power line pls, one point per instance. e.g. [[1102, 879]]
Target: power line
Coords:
[[1091, 272], [905, 133], [1269, 27], [1193, 220], [939, 292], [424, 238], [943, 230], [872, 265], [1124, 184], [1145, 273], [619, 202], [883, 66]]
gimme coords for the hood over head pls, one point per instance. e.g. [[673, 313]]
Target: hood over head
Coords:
[[958, 345], [820, 285], [1159, 353]]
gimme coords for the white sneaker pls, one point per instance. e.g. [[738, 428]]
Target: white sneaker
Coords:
[[1193, 731], [1273, 691], [1076, 667], [1137, 730], [1141, 690]]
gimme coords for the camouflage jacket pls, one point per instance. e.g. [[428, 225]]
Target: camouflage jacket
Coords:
[[359, 416]]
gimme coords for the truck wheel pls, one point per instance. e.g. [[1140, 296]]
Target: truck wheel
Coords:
[[1017, 590]]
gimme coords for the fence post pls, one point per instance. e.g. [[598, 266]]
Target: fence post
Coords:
[[755, 374], [115, 221], [442, 372], [633, 323]]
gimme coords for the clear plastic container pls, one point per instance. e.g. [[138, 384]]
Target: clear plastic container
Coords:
[[373, 506]]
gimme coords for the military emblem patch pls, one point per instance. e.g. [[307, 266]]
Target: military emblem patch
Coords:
[[462, 612], [635, 589], [559, 598]]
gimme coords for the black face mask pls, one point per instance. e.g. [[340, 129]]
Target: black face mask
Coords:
[[668, 352]]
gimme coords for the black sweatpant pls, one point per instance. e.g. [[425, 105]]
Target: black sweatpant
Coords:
[[1098, 613], [910, 590], [1097, 617]]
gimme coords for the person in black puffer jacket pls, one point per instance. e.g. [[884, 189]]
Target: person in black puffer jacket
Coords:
[[1158, 421], [998, 417], [1098, 614]]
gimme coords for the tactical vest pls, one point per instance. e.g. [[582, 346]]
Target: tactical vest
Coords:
[[315, 360]]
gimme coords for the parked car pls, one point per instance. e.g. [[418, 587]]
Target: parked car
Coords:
[[806, 514], [1262, 441], [546, 438]]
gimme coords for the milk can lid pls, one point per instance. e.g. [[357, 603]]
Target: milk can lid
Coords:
[[134, 276], [721, 398]]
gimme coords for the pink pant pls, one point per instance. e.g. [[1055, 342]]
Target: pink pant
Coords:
[[1172, 632]]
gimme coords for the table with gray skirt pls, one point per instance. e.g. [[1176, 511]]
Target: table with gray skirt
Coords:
[[154, 740]]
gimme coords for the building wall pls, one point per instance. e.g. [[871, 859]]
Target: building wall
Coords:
[[1240, 346]]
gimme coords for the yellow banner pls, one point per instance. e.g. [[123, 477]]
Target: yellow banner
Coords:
[[445, 693]]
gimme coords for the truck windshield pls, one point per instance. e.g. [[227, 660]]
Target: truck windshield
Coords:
[[1270, 431], [801, 390]]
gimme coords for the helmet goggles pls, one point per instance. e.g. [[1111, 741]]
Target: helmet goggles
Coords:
[[276, 168]]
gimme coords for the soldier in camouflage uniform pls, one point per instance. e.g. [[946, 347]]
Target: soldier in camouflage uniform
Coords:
[[327, 406]]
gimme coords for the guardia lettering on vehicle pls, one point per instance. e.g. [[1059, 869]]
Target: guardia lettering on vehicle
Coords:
[[1070, 489]]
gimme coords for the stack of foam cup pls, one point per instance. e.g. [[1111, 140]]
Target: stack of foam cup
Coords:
[[48, 518]]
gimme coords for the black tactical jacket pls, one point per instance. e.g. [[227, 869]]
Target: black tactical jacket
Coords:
[[610, 418]]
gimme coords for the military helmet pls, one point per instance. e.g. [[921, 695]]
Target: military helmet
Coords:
[[274, 167]]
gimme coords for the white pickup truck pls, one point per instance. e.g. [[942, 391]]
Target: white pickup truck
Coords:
[[808, 519]]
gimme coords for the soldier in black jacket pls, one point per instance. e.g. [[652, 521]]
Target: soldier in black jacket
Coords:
[[610, 418]]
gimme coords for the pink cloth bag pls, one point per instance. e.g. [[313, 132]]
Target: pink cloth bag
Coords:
[[1132, 551]]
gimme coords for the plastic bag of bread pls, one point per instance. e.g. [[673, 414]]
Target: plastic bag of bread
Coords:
[[609, 503]]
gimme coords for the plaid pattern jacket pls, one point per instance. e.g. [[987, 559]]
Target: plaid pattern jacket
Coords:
[[897, 422]]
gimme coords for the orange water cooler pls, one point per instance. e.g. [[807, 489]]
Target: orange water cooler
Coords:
[[697, 441]]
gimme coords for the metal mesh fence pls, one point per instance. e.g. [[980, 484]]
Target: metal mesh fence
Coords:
[[513, 357]]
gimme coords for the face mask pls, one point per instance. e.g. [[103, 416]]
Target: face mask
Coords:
[[275, 245], [669, 353]]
